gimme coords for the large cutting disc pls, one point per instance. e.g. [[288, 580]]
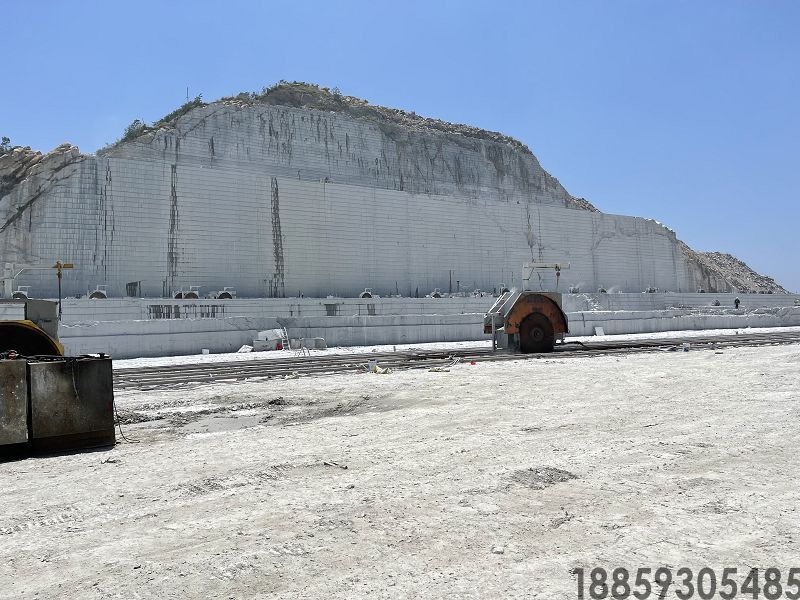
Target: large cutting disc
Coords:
[[536, 334]]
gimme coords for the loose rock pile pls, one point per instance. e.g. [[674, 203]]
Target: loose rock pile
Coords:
[[740, 276]]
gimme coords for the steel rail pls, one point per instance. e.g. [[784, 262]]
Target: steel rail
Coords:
[[201, 373]]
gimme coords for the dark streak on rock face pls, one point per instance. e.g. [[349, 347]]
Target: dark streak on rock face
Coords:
[[277, 285], [530, 236], [104, 232], [172, 242]]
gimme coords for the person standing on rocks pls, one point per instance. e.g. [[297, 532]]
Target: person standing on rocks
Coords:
[[736, 302]]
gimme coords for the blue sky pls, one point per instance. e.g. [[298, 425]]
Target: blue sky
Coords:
[[682, 111]]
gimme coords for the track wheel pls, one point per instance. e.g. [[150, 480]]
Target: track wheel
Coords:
[[536, 334]]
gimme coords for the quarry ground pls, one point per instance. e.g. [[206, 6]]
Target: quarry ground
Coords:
[[488, 481]]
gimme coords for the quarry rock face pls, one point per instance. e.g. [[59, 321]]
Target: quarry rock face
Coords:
[[718, 270], [301, 191]]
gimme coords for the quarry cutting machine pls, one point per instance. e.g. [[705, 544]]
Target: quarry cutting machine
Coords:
[[49, 401], [528, 321]]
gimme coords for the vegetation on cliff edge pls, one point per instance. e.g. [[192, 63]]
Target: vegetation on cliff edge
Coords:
[[299, 94]]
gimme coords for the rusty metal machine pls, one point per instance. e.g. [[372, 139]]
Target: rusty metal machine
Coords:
[[528, 321], [49, 402]]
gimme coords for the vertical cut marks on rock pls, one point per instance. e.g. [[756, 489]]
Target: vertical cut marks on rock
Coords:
[[106, 224], [172, 242], [277, 287]]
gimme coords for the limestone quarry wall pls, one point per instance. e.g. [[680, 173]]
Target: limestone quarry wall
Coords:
[[278, 201], [313, 145]]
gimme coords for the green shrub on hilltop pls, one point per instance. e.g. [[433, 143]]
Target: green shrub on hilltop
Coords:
[[180, 111], [134, 130], [138, 127]]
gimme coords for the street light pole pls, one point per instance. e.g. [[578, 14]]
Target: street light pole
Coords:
[[58, 267], [59, 292]]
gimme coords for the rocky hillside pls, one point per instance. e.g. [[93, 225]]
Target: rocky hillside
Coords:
[[508, 156], [305, 95], [39, 172], [337, 140], [714, 271], [720, 267]]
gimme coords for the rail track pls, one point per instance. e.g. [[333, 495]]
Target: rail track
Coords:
[[289, 366]]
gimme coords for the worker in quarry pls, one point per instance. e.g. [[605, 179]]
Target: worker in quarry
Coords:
[[736, 302]]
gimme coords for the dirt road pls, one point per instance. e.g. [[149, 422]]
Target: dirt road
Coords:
[[488, 481]]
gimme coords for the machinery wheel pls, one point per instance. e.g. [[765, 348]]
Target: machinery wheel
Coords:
[[27, 340], [536, 334]]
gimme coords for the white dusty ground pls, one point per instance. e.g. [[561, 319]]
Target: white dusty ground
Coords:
[[131, 363], [241, 490]]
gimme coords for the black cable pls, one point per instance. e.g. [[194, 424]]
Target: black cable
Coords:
[[575, 342], [119, 425], [72, 361]]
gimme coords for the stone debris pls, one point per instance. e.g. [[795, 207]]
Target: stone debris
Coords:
[[721, 272], [741, 277], [538, 478]]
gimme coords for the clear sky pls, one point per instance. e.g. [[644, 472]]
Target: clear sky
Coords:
[[687, 112]]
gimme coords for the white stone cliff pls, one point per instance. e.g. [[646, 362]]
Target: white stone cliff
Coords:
[[301, 191]]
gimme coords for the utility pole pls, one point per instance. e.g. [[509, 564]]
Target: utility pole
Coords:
[[59, 266], [12, 271]]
